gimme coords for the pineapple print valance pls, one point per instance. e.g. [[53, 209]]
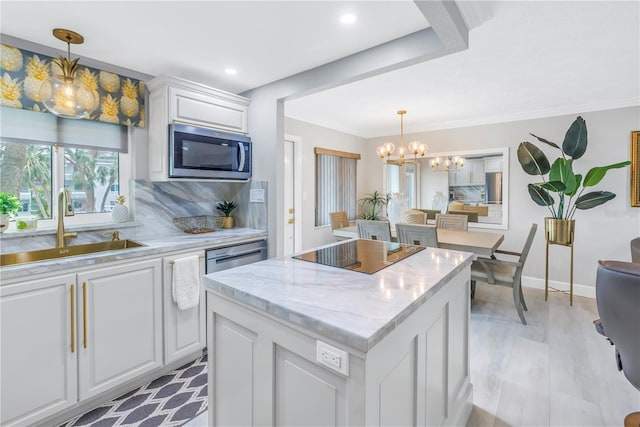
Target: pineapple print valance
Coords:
[[121, 98]]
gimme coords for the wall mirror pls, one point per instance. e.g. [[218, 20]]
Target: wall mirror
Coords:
[[481, 185]]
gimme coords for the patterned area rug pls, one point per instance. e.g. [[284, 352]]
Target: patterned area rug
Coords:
[[171, 400]]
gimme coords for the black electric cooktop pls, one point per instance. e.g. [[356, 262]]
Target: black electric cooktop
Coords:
[[365, 256]]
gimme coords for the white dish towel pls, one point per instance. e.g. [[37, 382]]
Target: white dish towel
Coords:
[[186, 282]]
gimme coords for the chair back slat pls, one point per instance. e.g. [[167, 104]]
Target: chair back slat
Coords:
[[528, 243], [374, 230], [414, 234], [339, 219], [452, 222]]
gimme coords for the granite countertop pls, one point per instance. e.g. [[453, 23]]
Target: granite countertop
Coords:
[[154, 246], [350, 307]]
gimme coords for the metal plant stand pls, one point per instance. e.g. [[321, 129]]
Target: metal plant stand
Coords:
[[546, 272]]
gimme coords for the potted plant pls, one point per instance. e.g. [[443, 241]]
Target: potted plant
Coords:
[[9, 205], [568, 186], [371, 204], [226, 207]]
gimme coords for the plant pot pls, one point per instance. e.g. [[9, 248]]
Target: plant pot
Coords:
[[4, 222], [559, 231], [227, 222], [120, 213]]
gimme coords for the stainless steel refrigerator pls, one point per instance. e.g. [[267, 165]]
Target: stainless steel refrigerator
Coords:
[[493, 188]]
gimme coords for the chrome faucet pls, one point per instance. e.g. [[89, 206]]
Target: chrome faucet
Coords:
[[65, 208]]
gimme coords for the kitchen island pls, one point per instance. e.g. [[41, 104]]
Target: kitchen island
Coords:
[[293, 342]]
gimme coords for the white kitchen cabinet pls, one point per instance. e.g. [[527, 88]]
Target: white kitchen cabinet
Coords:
[[71, 337], [476, 171], [120, 332], [184, 330], [173, 99], [493, 164], [38, 348], [472, 173]]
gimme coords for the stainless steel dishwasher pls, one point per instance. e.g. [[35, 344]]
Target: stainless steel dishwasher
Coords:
[[225, 257]]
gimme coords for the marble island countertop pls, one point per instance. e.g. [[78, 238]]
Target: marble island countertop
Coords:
[[153, 246], [353, 308]]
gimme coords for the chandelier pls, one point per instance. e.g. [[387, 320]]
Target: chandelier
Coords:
[[447, 164], [415, 147], [64, 94]]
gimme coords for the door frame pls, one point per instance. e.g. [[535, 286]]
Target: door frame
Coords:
[[297, 192]]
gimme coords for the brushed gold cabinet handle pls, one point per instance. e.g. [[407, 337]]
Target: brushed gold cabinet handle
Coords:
[[290, 221], [84, 311], [73, 319]]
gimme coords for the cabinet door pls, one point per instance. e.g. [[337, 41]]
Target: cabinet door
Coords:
[[39, 356], [493, 164], [477, 172], [463, 175], [207, 110], [184, 329], [120, 325]]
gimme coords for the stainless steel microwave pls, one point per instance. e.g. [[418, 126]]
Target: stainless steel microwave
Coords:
[[202, 153]]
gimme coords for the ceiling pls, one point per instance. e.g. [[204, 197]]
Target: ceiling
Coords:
[[525, 59]]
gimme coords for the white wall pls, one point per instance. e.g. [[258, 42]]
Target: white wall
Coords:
[[601, 233], [316, 136]]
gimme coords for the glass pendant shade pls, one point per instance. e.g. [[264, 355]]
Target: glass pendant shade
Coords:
[[68, 97], [63, 94], [415, 147]]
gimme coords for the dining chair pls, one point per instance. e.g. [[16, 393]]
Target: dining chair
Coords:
[[451, 222], [472, 216], [374, 230], [339, 220], [617, 298], [417, 234], [431, 213], [505, 273], [635, 250], [413, 216]]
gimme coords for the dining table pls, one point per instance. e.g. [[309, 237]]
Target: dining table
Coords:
[[478, 242]]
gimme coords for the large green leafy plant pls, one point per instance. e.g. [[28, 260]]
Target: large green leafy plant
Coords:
[[567, 185]]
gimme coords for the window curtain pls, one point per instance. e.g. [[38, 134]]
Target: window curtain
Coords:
[[335, 186], [30, 127]]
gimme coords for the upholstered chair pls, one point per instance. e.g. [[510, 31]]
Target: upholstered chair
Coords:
[[374, 230], [618, 300], [471, 215], [417, 234], [339, 220], [505, 273], [635, 250], [451, 222], [413, 216]]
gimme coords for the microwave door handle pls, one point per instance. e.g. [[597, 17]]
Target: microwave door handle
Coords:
[[241, 166]]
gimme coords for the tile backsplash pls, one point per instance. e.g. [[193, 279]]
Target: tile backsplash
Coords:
[[155, 204]]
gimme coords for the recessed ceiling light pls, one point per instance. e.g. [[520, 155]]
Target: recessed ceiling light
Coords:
[[348, 18], [231, 71]]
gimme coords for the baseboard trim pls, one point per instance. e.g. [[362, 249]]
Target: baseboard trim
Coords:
[[578, 290]]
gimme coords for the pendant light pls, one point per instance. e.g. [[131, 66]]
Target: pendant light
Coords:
[[416, 148], [64, 94]]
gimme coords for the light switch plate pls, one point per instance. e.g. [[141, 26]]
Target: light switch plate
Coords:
[[332, 357], [256, 195]]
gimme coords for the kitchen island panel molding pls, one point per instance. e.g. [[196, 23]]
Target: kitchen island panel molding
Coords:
[[409, 376]]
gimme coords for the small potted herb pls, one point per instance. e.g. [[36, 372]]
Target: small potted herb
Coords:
[[9, 205], [226, 207]]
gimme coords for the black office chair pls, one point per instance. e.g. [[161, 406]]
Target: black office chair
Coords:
[[635, 250], [618, 300]]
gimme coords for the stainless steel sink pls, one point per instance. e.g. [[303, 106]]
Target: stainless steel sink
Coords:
[[67, 251]]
